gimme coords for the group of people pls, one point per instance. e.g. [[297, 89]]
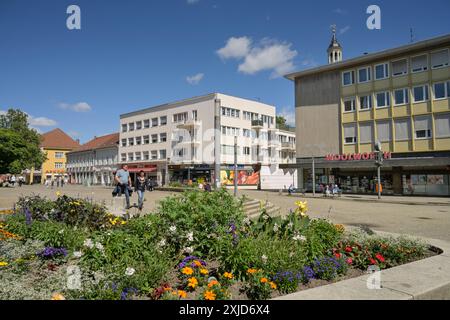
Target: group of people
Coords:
[[12, 180], [330, 190], [58, 181]]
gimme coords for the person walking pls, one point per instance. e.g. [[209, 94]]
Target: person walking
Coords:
[[123, 180], [140, 185], [13, 180]]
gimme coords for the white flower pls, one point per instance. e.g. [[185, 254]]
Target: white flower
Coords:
[[247, 220], [77, 254], [99, 246], [265, 217], [129, 271], [299, 237], [173, 229], [162, 243], [190, 236], [275, 228], [264, 258], [290, 225], [188, 250], [88, 243], [61, 231]]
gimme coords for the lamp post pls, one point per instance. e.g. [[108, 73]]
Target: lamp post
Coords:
[[379, 164], [167, 172], [235, 167]]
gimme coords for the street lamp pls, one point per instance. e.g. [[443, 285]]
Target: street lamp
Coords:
[[379, 164]]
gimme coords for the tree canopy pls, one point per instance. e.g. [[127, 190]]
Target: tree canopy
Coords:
[[19, 144]]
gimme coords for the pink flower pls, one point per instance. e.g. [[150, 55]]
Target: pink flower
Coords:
[[349, 260], [337, 255], [348, 249], [379, 257]]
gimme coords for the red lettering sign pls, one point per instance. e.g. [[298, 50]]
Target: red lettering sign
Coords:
[[356, 156]]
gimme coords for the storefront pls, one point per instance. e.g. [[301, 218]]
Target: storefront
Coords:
[[425, 174], [194, 173]]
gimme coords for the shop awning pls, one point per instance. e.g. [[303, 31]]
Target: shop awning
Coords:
[[134, 170]]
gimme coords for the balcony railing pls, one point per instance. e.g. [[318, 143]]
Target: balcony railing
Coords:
[[288, 146], [257, 123]]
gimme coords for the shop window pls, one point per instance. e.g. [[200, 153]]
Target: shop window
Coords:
[[402, 129], [442, 124]]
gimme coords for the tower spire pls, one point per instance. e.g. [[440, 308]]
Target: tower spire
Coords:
[[334, 50]]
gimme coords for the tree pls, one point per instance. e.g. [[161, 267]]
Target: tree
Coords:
[[19, 144], [281, 123]]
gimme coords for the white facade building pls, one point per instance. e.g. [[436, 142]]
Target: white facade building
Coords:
[[177, 141], [95, 162]]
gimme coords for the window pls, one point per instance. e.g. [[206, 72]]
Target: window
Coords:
[[399, 67], [154, 138], [442, 124], [124, 127], [246, 151], [123, 157], [146, 124], [130, 156], [229, 112], [441, 90], [154, 122], [402, 130], [422, 127], [154, 155], [162, 154], [194, 115], [401, 96], [382, 71], [138, 156], [146, 139], [419, 63], [124, 142], [366, 132], [384, 131], [163, 137], [439, 59], [131, 141], [138, 141], [365, 102], [146, 155], [383, 99], [349, 104], [131, 126], [350, 134], [348, 78], [246, 133], [163, 120], [138, 125], [59, 165], [59, 155], [364, 75], [420, 93], [180, 117]]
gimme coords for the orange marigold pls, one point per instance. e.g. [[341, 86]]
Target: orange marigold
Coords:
[[182, 294], [192, 283], [197, 263], [252, 271], [212, 283], [273, 285], [187, 271], [228, 275], [204, 271], [264, 280], [209, 295]]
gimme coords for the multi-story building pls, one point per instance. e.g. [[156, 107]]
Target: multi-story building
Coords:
[[399, 97], [95, 162], [55, 144], [178, 141]]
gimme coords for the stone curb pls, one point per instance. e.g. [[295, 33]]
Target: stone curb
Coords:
[[421, 280]]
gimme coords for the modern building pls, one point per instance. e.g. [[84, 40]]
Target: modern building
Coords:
[[55, 144], [400, 97], [193, 139], [95, 162]]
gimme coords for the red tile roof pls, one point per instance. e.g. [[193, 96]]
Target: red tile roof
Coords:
[[107, 141], [58, 139]]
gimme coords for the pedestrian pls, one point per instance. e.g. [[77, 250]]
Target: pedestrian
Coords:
[[140, 185], [62, 182], [291, 189], [123, 180], [21, 180], [207, 187], [52, 183], [13, 180]]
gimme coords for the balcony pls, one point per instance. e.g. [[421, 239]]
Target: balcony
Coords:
[[257, 124], [288, 146], [188, 124]]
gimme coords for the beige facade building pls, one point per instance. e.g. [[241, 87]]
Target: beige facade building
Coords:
[[177, 142], [399, 97]]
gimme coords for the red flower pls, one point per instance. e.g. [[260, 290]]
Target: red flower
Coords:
[[372, 261], [379, 257], [349, 260], [348, 249], [338, 255]]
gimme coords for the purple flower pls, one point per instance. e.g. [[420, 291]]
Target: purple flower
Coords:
[[126, 291], [28, 217], [189, 259], [51, 252]]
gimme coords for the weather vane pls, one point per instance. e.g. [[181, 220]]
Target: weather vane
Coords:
[[333, 28]]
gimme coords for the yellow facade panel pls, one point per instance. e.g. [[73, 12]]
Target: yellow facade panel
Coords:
[[365, 147], [349, 117], [386, 146], [365, 115], [442, 144], [381, 85], [400, 82], [349, 148], [440, 74], [383, 113], [403, 146], [423, 145], [401, 111], [419, 78], [441, 105], [365, 87], [348, 91], [421, 108]]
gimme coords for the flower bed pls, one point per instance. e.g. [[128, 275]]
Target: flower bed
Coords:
[[197, 245]]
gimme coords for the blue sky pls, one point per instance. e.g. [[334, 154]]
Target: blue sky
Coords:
[[139, 53]]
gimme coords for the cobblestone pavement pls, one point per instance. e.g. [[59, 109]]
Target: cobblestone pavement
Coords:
[[428, 219]]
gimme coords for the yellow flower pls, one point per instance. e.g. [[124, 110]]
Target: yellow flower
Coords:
[[264, 280], [58, 193], [192, 283], [182, 294], [58, 296], [212, 283], [123, 222], [187, 271], [3, 264], [273, 285], [197, 263], [252, 271], [340, 228], [204, 271], [209, 295], [228, 275]]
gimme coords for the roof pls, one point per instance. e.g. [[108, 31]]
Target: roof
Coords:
[[442, 40], [58, 139], [110, 140]]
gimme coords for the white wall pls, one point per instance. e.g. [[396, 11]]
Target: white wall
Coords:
[[273, 178]]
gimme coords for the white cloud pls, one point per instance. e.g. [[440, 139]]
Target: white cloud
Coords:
[[344, 29], [77, 107], [340, 11], [268, 54], [194, 80], [41, 122], [289, 114], [235, 48], [192, 1]]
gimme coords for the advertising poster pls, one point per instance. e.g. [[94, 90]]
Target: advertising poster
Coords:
[[245, 177]]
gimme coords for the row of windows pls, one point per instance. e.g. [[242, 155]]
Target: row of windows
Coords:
[[144, 156], [145, 124], [59, 155], [441, 90], [144, 140], [423, 129], [91, 161], [420, 63]]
